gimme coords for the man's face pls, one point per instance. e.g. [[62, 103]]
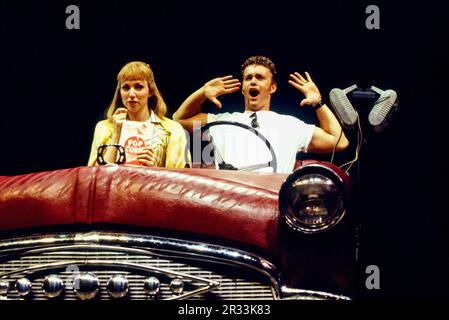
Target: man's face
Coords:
[[257, 87]]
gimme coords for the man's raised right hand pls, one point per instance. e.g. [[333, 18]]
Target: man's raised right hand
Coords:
[[220, 86]]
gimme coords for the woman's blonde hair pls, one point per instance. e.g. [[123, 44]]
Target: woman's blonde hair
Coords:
[[132, 71]]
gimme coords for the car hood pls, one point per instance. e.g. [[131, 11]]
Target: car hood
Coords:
[[230, 205]]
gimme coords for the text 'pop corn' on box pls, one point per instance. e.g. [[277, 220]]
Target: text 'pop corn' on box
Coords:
[[134, 137]]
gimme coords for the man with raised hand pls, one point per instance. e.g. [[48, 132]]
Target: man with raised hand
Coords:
[[286, 134]]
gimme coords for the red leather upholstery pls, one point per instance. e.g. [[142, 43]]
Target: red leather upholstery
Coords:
[[38, 199], [238, 206]]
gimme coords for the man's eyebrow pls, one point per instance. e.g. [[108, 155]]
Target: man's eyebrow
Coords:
[[257, 74]]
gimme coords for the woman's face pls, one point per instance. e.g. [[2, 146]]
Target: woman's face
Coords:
[[135, 94]]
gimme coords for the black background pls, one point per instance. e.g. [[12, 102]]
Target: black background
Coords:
[[56, 84]]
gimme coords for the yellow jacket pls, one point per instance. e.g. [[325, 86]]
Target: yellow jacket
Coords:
[[172, 149]]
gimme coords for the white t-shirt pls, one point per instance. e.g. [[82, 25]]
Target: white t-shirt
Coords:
[[239, 147]]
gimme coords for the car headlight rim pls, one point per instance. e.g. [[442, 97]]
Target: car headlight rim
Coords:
[[327, 171]]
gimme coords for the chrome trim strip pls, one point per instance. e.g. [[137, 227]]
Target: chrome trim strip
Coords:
[[209, 284], [301, 294]]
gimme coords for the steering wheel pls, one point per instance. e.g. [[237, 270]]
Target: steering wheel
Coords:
[[198, 133]]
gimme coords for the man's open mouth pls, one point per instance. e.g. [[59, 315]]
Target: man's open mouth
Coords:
[[253, 92]]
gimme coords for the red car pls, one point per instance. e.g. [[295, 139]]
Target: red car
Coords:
[[118, 232]]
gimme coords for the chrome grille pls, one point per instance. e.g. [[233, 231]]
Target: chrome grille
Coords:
[[235, 282]]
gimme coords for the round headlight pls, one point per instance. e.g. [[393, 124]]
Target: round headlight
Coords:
[[313, 198]]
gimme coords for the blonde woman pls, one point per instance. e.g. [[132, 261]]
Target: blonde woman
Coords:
[[137, 98]]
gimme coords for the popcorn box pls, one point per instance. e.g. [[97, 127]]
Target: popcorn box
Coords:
[[134, 137]]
